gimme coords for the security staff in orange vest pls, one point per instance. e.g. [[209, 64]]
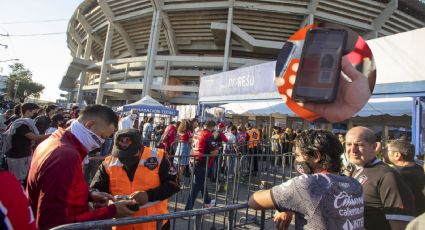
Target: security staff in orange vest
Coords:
[[140, 173], [253, 141]]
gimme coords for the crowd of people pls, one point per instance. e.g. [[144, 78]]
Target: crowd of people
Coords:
[[46, 151]]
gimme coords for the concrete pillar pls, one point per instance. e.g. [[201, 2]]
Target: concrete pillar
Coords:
[[104, 66], [126, 72], [79, 50], [166, 74], [83, 73], [152, 50], [71, 96], [228, 46]]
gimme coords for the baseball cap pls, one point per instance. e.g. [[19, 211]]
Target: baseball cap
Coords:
[[127, 142], [220, 125]]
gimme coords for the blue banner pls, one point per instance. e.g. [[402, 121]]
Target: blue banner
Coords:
[[151, 109]]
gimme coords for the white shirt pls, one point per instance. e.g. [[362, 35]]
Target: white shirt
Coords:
[[126, 123], [231, 141], [147, 130]]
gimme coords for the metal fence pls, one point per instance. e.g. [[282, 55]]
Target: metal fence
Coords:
[[230, 178], [230, 209]]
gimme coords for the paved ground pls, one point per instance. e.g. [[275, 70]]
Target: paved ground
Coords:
[[237, 192]]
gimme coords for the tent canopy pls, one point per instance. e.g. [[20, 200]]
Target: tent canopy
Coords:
[[149, 105], [399, 61], [376, 106]]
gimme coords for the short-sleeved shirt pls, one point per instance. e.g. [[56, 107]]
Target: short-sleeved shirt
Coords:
[[21, 145], [386, 196], [322, 201]]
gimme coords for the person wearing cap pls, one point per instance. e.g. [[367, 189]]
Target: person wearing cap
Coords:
[[141, 173], [203, 144], [128, 121]]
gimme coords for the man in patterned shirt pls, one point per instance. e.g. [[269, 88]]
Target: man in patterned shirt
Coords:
[[320, 197]]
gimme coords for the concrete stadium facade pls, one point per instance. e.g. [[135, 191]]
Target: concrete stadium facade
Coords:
[[123, 50]]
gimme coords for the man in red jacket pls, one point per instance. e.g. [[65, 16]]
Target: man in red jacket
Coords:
[[203, 145], [57, 191]]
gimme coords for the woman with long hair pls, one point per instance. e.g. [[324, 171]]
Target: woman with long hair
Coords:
[[184, 138]]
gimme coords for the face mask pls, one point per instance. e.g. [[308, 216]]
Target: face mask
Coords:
[[34, 116], [303, 167], [87, 138]]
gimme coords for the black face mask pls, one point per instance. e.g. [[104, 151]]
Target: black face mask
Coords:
[[34, 116], [303, 167]]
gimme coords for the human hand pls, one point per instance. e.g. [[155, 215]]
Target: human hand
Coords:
[[283, 219], [140, 197], [122, 208], [351, 96], [100, 199]]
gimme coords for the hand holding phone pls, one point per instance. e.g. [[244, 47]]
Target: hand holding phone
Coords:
[[351, 96], [320, 65]]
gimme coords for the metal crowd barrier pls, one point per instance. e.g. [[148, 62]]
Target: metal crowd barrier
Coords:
[[236, 173], [157, 218], [232, 179]]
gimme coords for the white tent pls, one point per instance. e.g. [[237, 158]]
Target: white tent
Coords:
[[376, 106]]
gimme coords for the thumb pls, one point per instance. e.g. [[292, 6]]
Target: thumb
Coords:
[[349, 69]]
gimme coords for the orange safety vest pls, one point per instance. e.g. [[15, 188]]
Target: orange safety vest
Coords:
[[254, 137], [146, 177]]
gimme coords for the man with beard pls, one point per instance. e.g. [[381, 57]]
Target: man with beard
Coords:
[[401, 154]]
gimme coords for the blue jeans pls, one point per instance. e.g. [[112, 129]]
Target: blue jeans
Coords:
[[197, 186]]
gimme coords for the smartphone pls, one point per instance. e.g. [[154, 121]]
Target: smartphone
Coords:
[[319, 70]]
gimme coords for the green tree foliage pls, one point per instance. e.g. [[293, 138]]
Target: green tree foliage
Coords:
[[20, 83]]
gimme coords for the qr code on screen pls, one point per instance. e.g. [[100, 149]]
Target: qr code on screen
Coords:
[[325, 77]]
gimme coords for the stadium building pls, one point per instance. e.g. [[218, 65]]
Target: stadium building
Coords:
[[125, 49]]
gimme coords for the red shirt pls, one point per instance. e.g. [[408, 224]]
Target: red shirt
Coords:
[[185, 136], [203, 144], [15, 212], [57, 191], [170, 134]]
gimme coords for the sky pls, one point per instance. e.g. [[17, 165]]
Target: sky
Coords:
[[46, 56]]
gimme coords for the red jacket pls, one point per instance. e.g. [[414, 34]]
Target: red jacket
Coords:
[[57, 191], [14, 208], [203, 144], [169, 136]]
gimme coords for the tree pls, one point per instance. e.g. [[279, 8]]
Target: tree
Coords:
[[20, 84]]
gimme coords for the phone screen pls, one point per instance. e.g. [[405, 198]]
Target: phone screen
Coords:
[[320, 65]]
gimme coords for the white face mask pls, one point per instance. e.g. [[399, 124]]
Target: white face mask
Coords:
[[87, 138]]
